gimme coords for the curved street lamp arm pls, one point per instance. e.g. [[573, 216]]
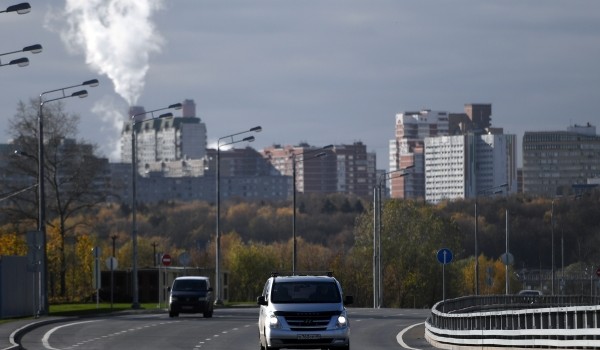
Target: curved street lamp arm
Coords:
[[90, 83], [173, 106], [21, 62], [20, 9], [37, 48], [254, 129]]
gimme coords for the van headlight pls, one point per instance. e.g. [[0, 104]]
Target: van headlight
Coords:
[[274, 321], [342, 321], [172, 299]]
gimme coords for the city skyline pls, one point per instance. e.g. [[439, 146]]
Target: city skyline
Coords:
[[331, 72]]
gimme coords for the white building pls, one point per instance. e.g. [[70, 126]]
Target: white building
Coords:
[[407, 149], [170, 143], [465, 166]]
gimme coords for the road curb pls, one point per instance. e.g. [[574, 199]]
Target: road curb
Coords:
[[17, 334]]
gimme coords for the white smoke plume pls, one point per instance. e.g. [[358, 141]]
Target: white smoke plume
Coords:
[[112, 114], [117, 37]]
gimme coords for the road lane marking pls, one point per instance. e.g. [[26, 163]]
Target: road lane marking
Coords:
[[45, 339], [401, 334]]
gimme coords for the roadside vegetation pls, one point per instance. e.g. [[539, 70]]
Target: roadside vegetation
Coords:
[[334, 232]]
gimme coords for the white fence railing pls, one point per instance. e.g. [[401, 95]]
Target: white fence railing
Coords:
[[561, 322]]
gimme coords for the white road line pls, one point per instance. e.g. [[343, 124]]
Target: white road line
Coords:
[[45, 339], [401, 334]]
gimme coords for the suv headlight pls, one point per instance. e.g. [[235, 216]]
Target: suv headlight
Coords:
[[342, 321]]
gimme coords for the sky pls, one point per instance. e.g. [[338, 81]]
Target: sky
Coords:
[[316, 71]]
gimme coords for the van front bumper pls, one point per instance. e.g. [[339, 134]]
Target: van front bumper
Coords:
[[307, 339]]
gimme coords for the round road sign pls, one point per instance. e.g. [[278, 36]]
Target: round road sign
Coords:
[[598, 272], [166, 259], [112, 263], [444, 256]]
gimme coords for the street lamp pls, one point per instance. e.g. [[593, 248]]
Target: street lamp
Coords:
[[294, 162], [20, 9], [41, 176], [230, 141], [377, 292], [23, 61], [134, 172], [476, 233]]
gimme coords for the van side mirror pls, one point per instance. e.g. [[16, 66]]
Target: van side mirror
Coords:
[[349, 299], [261, 300], [209, 289], [169, 289]]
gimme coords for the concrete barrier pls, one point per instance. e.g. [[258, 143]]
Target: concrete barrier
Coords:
[[562, 322]]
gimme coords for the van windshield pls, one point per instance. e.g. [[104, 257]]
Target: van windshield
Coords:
[[189, 285], [305, 292]]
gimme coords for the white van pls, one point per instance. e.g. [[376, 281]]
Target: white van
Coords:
[[299, 312]]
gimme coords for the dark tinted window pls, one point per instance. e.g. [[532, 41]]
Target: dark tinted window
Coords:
[[305, 292], [189, 285]]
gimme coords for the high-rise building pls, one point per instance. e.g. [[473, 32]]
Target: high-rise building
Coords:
[[356, 169], [313, 174], [555, 161], [453, 155], [346, 168], [407, 150], [173, 143], [463, 166]]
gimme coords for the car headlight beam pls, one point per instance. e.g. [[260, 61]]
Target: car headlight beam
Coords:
[[274, 322], [342, 321]]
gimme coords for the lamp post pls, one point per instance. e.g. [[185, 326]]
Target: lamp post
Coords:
[[23, 61], [377, 290], [476, 233], [229, 141], [552, 244], [553, 277], [41, 183], [295, 161], [20, 9], [134, 172]]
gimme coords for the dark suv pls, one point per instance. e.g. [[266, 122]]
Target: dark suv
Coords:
[[191, 294]]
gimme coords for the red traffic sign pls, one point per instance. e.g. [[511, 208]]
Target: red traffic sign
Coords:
[[166, 259], [598, 272]]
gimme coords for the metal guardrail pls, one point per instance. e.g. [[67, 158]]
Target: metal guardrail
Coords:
[[515, 321]]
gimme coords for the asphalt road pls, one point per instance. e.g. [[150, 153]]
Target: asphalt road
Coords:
[[228, 329]]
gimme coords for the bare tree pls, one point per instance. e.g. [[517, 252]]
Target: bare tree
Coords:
[[74, 180]]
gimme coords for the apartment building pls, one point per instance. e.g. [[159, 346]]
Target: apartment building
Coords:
[[464, 166], [407, 149], [174, 146], [345, 168], [245, 174], [555, 161]]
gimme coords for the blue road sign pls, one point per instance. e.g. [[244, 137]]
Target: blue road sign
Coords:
[[444, 256]]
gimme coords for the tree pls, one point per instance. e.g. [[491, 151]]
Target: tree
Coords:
[[11, 244], [71, 169], [411, 235]]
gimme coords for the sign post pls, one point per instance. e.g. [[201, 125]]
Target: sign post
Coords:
[[444, 256], [165, 261], [97, 274]]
